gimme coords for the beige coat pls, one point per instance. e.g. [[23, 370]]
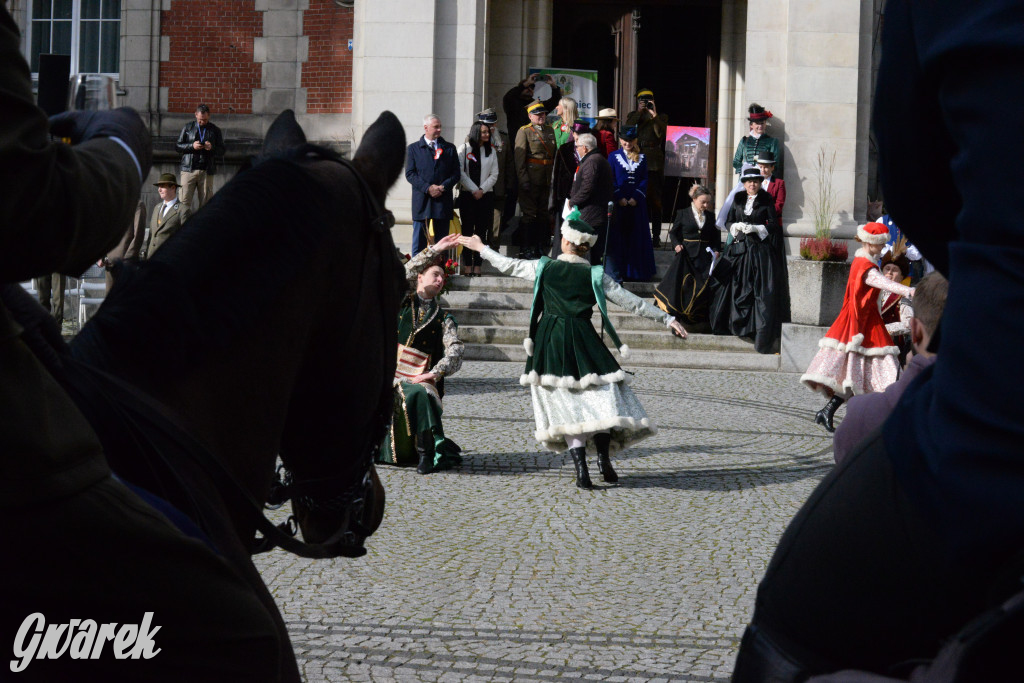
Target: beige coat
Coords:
[[160, 228]]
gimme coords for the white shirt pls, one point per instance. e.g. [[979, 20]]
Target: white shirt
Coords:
[[167, 207], [749, 208]]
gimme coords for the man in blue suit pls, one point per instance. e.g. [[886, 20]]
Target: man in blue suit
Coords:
[[432, 168]]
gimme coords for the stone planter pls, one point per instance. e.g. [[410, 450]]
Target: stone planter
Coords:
[[816, 290]]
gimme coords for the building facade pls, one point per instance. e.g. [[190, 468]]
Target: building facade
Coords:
[[811, 62]]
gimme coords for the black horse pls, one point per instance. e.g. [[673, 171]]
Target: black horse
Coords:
[[264, 328]]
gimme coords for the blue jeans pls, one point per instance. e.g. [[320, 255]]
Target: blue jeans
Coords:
[[419, 233]]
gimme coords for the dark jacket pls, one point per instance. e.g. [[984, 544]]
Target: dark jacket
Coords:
[[685, 231], [565, 170], [200, 160], [593, 189], [422, 170], [867, 412]]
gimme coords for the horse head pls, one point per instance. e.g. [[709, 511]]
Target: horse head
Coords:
[[266, 328], [336, 495]]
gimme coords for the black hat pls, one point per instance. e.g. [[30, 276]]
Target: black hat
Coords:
[[487, 116], [628, 133], [756, 112], [751, 173], [766, 158]]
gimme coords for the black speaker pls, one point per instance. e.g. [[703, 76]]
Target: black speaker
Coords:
[[54, 75]]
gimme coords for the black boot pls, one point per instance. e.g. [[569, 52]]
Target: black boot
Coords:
[[604, 463], [579, 461], [824, 416], [425, 450]]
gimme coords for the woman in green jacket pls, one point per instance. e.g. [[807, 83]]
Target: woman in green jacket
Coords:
[[581, 397]]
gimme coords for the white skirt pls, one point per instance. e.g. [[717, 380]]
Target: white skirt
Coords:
[[614, 408]]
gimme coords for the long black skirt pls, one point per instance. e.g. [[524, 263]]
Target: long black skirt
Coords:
[[685, 291], [750, 303]]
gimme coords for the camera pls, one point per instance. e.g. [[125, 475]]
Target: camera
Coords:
[[647, 102]]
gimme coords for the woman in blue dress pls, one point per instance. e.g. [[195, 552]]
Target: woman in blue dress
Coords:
[[630, 253]]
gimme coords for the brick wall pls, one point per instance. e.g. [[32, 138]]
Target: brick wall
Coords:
[[211, 55], [327, 74]]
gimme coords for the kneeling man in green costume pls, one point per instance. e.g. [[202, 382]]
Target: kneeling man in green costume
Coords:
[[429, 350]]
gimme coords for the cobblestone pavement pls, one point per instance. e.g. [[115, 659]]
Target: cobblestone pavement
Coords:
[[504, 571]]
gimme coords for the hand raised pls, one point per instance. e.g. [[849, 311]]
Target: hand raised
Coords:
[[473, 243], [446, 242]]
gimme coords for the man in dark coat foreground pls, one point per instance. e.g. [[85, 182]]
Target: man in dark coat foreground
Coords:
[[592, 190]]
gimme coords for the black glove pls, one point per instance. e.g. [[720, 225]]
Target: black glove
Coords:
[[123, 123]]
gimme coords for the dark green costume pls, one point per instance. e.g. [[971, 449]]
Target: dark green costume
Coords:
[[565, 343], [418, 406], [749, 147]]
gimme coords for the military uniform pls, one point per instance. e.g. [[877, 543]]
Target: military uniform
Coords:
[[535, 158]]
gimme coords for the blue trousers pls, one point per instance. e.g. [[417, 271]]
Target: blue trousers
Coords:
[[419, 233]]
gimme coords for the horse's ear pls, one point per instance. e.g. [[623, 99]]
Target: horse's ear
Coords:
[[381, 154], [284, 133]]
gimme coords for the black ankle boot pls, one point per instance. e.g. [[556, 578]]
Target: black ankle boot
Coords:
[[824, 416], [425, 451], [579, 461], [604, 463]]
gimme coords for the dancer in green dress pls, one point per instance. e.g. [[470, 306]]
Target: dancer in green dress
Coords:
[[581, 396]]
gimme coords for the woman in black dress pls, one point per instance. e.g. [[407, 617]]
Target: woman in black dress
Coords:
[[567, 160], [685, 291], [753, 269]]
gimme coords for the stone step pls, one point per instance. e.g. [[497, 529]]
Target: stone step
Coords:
[[655, 338], [521, 318], [501, 283], [515, 300], [707, 360]]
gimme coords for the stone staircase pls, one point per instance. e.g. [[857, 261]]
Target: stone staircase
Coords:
[[493, 315]]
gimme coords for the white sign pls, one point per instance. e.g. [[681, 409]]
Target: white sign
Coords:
[[579, 84]]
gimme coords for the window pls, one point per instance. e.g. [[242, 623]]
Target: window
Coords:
[[88, 30]]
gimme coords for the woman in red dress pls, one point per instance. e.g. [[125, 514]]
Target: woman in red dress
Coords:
[[857, 355]]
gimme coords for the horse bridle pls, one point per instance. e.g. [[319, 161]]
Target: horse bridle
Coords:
[[355, 502]]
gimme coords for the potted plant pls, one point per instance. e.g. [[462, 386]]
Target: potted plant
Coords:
[[818, 278]]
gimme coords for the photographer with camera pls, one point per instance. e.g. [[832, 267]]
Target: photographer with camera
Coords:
[[651, 130], [200, 145], [515, 100]]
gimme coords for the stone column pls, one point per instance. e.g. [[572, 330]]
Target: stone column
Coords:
[[281, 50], [416, 58], [732, 125]]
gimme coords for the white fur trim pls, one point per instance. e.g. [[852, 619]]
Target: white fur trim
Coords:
[[577, 237], [862, 252], [855, 346], [868, 238], [569, 382], [528, 345], [816, 382], [559, 431], [573, 258], [624, 352]]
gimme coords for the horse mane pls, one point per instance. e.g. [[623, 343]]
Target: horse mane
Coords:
[[210, 282]]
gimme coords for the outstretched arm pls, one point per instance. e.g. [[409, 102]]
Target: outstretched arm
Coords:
[[875, 279], [526, 270], [621, 296]]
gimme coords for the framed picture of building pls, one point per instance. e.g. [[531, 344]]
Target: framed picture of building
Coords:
[[686, 152]]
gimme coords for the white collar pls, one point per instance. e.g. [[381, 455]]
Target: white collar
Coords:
[[171, 202], [756, 136], [862, 252], [625, 162], [573, 258]]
